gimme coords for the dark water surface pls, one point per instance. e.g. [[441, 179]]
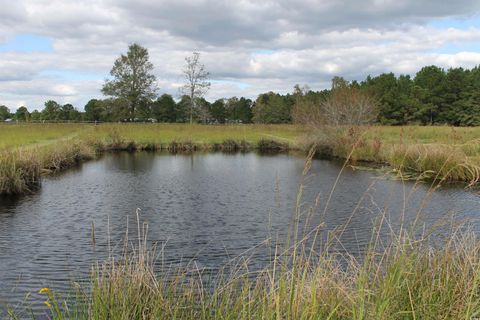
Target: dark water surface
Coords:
[[205, 208]]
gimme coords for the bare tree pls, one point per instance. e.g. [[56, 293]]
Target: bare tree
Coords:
[[343, 105], [350, 106], [196, 80]]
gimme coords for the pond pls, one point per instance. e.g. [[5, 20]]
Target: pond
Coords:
[[201, 208]]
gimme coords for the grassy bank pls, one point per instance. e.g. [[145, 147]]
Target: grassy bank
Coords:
[[442, 153], [30, 150]]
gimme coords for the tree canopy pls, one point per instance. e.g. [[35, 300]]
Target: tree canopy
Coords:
[[133, 80]]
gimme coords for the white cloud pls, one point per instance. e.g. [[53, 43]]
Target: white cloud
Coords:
[[264, 45]]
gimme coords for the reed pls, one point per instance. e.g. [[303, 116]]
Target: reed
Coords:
[[19, 171]]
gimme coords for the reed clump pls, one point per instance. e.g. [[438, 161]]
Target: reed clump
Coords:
[[435, 161], [65, 155], [405, 279], [269, 145], [19, 171], [442, 163]]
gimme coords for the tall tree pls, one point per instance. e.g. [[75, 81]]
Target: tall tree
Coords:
[[430, 90], [133, 80], [163, 109], [93, 110], [52, 110], [22, 114], [218, 111], [196, 78], [4, 113]]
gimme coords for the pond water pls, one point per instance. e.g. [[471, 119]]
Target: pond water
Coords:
[[202, 208]]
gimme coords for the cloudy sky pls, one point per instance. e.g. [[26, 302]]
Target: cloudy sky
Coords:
[[63, 50]]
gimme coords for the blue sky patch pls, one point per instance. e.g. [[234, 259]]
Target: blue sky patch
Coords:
[[70, 75], [452, 48], [27, 43], [238, 84], [463, 24], [264, 51]]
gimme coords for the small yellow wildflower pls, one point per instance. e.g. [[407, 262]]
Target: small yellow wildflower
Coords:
[[47, 304], [44, 290]]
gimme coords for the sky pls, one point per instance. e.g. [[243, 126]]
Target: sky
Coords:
[[63, 50]]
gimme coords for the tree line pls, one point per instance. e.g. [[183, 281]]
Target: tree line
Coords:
[[433, 96]]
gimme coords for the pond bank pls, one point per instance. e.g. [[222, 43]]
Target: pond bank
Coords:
[[408, 157], [21, 169]]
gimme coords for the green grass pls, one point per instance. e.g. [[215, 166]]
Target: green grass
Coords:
[[445, 154], [31, 134], [20, 135]]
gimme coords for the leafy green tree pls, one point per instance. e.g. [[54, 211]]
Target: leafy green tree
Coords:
[[69, 113], [163, 109], [94, 110], [4, 113], [133, 81], [455, 96], [182, 109], [202, 111], [35, 115], [272, 108], [22, 114], [430, 88], [239, 109], [52, 110], [144, 110], [116, 110], [218, 111]]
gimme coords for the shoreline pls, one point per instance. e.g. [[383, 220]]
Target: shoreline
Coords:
[[21, 167]]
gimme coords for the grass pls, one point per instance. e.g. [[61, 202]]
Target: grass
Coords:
[[408, 275], [439, 153], [443, 154]]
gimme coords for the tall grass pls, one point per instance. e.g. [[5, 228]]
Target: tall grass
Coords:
[[19, 171], [457, 160]]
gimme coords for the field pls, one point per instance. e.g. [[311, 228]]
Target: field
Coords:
[[32, 134], [445, 154]]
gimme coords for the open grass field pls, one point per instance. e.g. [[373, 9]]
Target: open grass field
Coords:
[[31, 134], [19, 135], [441, 153]]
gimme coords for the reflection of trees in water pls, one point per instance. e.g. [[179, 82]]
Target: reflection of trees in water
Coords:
[[131, 161]]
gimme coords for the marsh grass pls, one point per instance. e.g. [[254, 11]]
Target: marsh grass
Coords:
[[455, 161], [19, 171]]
